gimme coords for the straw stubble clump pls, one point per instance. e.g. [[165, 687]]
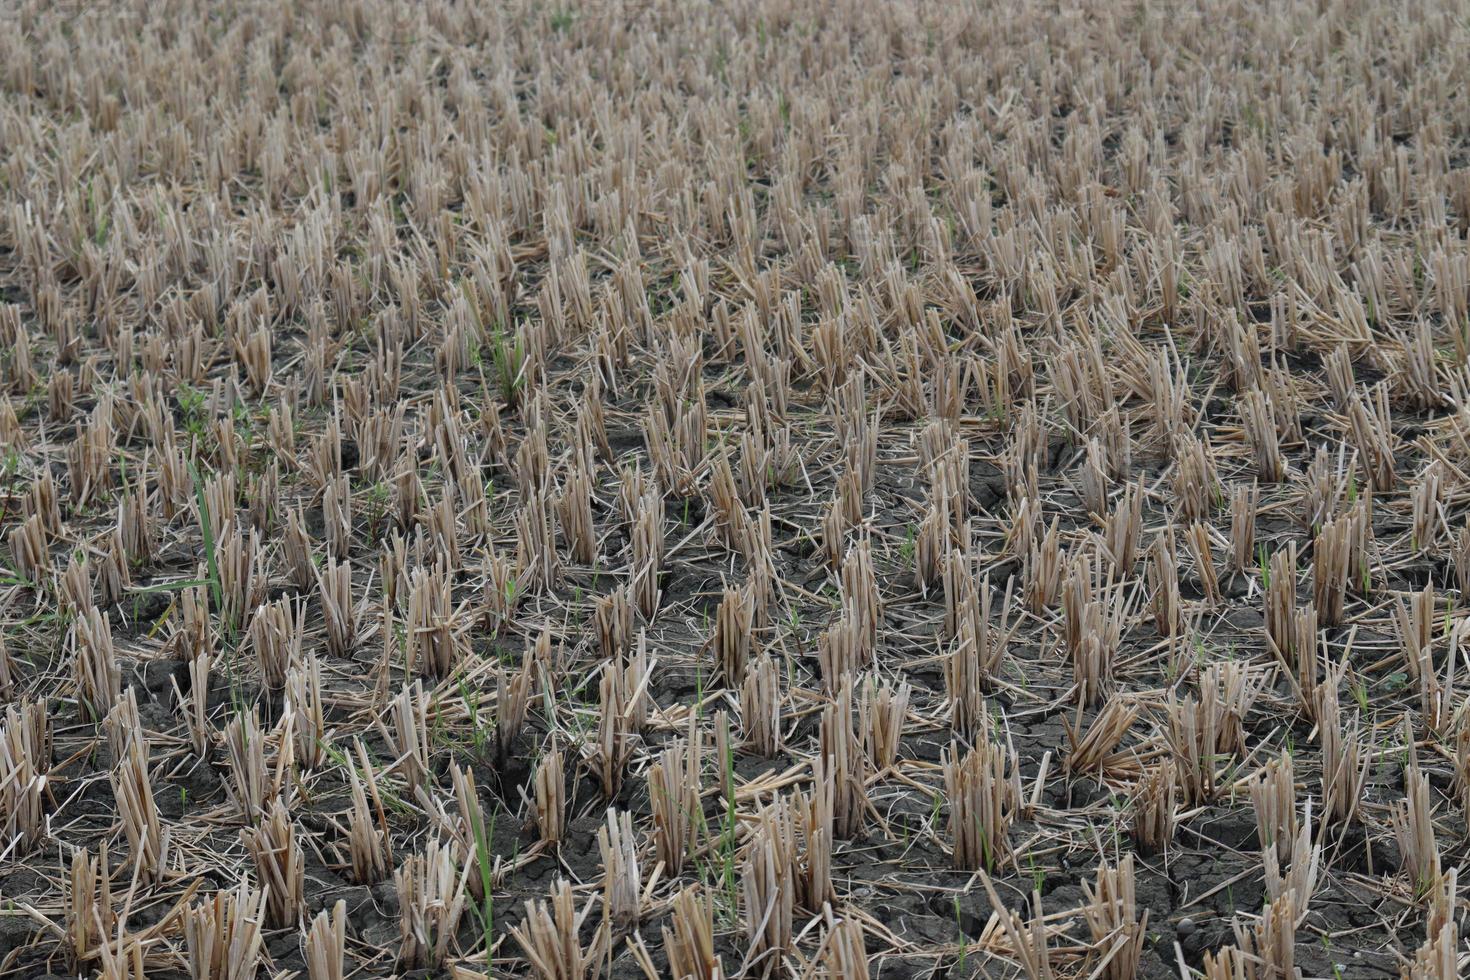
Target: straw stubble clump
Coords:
[[723, 475]]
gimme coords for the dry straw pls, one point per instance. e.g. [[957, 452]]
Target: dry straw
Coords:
[[224, 934], [431, 899], [25, 761], [325, 943], [1112, 918], [465, 423], [983, 788], [548, 935]]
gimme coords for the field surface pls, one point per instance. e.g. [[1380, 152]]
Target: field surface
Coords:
[[775, 488]]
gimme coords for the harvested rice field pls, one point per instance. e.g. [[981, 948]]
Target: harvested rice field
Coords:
[[764, 489]]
